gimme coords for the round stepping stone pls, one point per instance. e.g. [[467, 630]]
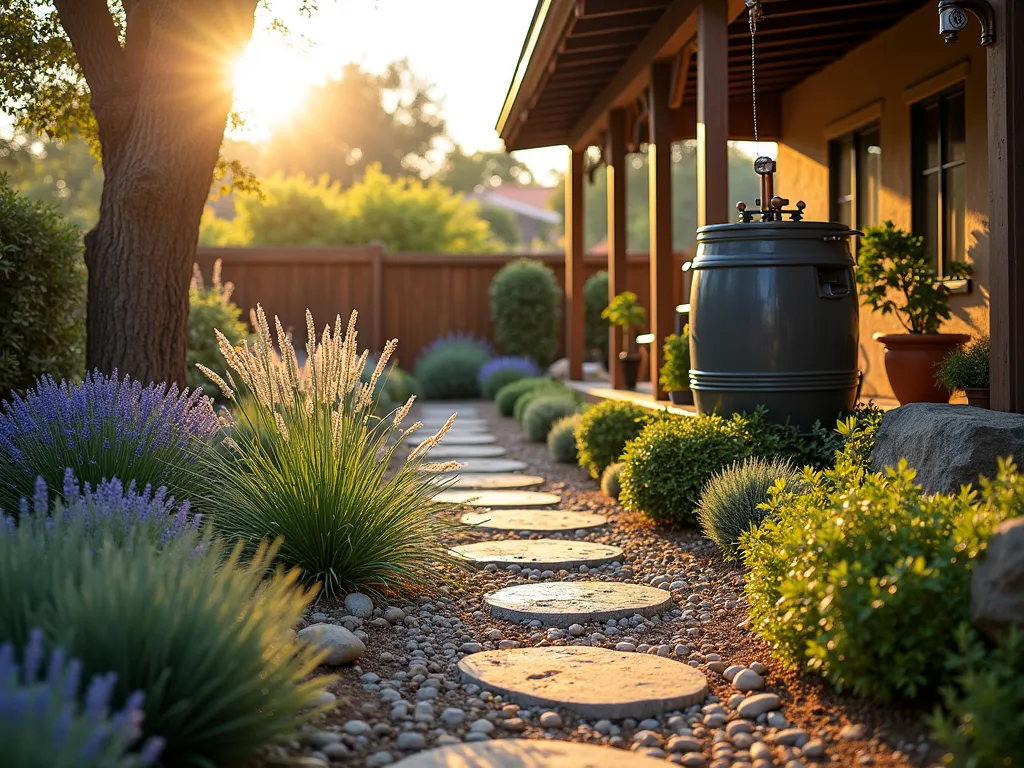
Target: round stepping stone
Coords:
[[468, 464], [533, 520], [539, 553], [562, 604], [460, 425], [454, 438], [492, 482], [466, 451], [444, 411], [527, 753], [499, 498], [591, 682]]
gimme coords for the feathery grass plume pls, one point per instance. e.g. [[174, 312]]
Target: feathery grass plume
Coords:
[[103, 428], [46, 721], [312, 466]]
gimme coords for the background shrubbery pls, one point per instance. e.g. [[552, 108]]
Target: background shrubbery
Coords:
[[210, 309], [500, 371], [543, 411], [595, 328], [449, 368], [604, 430], [562, 440], [525, 307]]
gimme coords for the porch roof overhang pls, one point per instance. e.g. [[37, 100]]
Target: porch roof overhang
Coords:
[[582, 58]]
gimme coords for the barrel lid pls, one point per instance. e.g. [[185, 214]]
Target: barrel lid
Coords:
[[773, 243], [759, 230]]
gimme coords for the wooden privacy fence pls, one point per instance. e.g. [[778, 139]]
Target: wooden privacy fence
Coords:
[[414, 297]]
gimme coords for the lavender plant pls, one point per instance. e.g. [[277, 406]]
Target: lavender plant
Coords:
[[45, 721], [103, 428], [311, 464], [496, 373]]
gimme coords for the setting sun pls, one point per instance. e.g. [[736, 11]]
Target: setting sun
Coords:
[[271, 80]]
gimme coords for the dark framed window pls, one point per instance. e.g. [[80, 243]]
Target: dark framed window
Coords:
[[855, 177], [938, 127]]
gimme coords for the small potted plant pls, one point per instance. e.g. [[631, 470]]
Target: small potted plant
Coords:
[[966, 369], [675, 374], [894, 276], [625, 312]]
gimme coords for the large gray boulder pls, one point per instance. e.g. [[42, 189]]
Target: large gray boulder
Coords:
[[948, 445], [997, 586]]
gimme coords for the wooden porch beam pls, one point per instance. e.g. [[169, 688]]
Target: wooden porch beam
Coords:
[[615, 154], [680, 76], [592, 8], [574, 269], [712, 113], [659, 169]]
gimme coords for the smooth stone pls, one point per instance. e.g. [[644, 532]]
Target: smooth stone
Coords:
[[562, 604], [533, 520], [997, 586], [591, 682], [528, 753], [341, 645], [488, 482], [455, 439], [747, 680], [470, 464], [759, 704], [456, 452], [499, 498], [359, 605], [539, 553]]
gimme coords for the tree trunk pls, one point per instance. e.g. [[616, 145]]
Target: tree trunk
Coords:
[[160, 134]]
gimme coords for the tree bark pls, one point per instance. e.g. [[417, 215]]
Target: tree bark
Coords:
[[161, 112]]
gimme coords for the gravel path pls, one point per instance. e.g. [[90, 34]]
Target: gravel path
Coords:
[[406, 693]]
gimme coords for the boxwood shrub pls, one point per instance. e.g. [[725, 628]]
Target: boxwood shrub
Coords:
[[595, 327], [562, 440], [543, 411], [610, 480], [526, 305], [604, 430], [550, 388], [510, 393]]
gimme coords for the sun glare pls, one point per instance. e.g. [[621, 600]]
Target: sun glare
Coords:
[[271, 79]]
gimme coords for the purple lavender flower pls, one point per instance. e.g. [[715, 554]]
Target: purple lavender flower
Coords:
[[457, 338], [43, 721], [103, 428], [524, 365]]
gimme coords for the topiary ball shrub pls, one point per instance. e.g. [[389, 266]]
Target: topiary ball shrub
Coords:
[[543, 411], [610, 480], [550, 388], [865, 578], [500, 371], [526, 304], [729, 503], [448, 368], [210, 309], [595, 327], [509, 394], [666, 466], [562, 440], [604, 430], [42, 293]]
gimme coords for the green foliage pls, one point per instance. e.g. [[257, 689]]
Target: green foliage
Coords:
[[675, 374], [984, 714], [610, 480], [543, 411], [731, 500], [42, 293], [400, 385], [604, 430], [210, 309], [450, 371], [555, 388], [497, 381], [562, 440], [525, 307], [625, 311], [404, 214], [851, 440], [966, 366], [207, 638], [464, 173], [892, 260], [312, 465], [509, 394], [505, 231], [595, 327], [865, 578]]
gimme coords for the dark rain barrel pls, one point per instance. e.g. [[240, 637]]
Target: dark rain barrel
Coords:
[[774, 321]]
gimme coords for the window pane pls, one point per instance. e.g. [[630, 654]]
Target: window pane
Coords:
[[927, 214], [955, 138], [841, 178], [927, 132], [954, 216], [869, 177]]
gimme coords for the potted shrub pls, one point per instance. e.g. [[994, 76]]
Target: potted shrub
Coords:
[[675, 373], [894, 276], [966, 369], [626, 313]]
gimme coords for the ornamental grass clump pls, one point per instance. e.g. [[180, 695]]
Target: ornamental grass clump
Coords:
[[966, 367], [47, 720], [562, 440], [496, 373], [865, 577], [104, 428], [310, 464], [604, 430], [210, 309], [732, 500]]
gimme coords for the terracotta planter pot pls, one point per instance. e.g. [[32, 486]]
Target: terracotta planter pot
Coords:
[[977, 396], [910, 362], [630, 368]]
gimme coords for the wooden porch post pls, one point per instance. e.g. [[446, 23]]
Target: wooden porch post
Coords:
[[574, 264], [617, 271], [713, 112], [1006, 191], [662, 309]]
